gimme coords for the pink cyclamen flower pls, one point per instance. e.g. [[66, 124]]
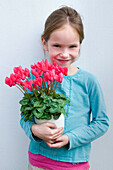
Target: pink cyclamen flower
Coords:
[[59, 77], [48, 82], [55, 64], [27, 72], [46, 76], [38, 81], [34, 72], [49, 75], [65, 71], [43, 65], [20, 72], [20, 83], [52, 75], [8, 81], [28, 83], [33, 66], [58, 69], [13, 78]]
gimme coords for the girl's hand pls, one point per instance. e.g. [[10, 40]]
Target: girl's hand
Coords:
[[47, 132], [59, 142]]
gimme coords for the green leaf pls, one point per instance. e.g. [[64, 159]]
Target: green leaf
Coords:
[[55, 105], [47, 99], [24, 102], [25, 117], [56, 116], [30, 119], [63, 111], [55, 95], [32, 100], [68, 101], [37, 114], [22, 108], [28, 108], [55, 100], [31, 116], [61, 102], [62, 96], [41, 109], [37, 104], [54, 109], [47, 116]]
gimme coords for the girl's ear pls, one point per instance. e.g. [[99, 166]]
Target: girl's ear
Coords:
[[44, 43]]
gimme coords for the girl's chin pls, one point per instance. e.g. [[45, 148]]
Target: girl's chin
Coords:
[[63, 63]]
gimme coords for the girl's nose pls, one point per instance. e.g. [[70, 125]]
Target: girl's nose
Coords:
[[64, 54]]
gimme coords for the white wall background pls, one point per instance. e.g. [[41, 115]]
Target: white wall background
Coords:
[[21, 25]]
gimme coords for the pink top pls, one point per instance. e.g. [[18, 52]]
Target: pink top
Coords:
[[47, 163]]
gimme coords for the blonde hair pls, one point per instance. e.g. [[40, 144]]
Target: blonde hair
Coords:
[[59, 18]]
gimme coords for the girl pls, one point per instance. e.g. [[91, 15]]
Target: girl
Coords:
[[69, 148]]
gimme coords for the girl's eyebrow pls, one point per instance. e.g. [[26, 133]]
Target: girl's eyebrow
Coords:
[[75, 43], [71, 44]]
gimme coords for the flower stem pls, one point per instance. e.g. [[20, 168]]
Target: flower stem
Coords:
[[26, 92], [55, 87], [41, 90], [19, 88], [52, 85], [48, 89], [34, 92], [44, 86]]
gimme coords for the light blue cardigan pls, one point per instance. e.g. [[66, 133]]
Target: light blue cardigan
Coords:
[[86, 97]]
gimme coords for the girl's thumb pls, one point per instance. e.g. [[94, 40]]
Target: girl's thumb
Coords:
[[52, 125]]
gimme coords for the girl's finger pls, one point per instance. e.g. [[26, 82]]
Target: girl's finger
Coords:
[[55, 145], [57, 135], [51, 125]]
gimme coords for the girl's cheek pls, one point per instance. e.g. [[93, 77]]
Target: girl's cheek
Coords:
[[75, 52], [54, 53]]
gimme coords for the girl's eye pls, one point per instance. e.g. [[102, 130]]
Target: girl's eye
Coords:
[[73, 46], [56, 45]]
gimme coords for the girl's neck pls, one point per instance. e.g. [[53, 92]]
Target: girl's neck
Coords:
[[72, 70]]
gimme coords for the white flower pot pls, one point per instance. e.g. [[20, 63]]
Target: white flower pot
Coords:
[[59, 122]]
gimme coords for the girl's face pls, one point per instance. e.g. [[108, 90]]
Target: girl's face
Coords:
[[63, 46]]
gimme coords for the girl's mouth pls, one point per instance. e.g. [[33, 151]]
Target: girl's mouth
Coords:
[[63, 61]]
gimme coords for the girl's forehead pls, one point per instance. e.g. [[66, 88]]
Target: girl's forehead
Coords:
[[65, 33]]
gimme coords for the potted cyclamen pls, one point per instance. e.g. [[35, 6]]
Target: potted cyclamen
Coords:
[[40, 99]]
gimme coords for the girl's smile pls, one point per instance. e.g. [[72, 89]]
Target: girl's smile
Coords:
[[63, 46]]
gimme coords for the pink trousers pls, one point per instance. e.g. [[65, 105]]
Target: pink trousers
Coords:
[[31, 167]]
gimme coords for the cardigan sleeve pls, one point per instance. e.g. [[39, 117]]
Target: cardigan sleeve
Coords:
[[100, 121], [26, 126]]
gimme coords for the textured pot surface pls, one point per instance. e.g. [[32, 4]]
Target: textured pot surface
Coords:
[[59, 122]]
